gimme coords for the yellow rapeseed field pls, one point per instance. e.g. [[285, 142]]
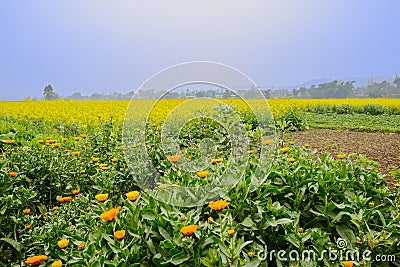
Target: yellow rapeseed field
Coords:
[[89, 112]]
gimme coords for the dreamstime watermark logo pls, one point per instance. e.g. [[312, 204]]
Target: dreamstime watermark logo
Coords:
[[342, 253], [193, 131]]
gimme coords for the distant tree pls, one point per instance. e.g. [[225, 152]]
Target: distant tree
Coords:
[[396, 81], [48, 93], [76, 96]]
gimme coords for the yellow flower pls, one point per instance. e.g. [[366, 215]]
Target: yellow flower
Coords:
[[101, 197], [77, 138], [56, 145], [110, 214], [292, 160], [36, 260], [267, 142], [40, 141], [218, 205], [174, 158], [291, 143], [133, 145], [84, 135], [9, 142], [63, 243], [27, 227], [341, 156], [216, 160], [75, 153], [182, 217], [230, 232], [210, 219], [65, 139], [306, 145], [284, 149], [202, 174], [55, 212], [300, 229], [67, 150], [57, 263], [95, 159], [26, 211], [104, 168], [119, 234], [189, 230], [76, 191], [114, 159], [396, 185], [133, 195], [83, 171], [347, 263], [250, 151], [103, 165]]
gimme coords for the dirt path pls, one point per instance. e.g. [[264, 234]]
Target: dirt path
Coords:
[[382, 148]]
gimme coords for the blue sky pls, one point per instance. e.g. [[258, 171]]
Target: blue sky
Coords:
[[106, 46]]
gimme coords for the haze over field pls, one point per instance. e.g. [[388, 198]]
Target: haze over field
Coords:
[[102, 46]]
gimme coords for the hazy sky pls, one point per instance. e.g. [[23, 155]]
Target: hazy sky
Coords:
[[107, 46]]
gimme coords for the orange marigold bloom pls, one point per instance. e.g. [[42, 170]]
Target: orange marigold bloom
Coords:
[[133, 195], [63, 243], [218, 205], [36, 260], [347, 263], [189, 230], [119, 234], [76, 191], [110, 214], [27, 227], [26, 211], [81, 245], [65, 199], [13, 174], [174, 158]]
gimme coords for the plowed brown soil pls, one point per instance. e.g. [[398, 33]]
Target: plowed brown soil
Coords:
[[379, 147]]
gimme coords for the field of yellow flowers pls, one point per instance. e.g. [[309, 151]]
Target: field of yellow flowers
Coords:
[[71, 190]]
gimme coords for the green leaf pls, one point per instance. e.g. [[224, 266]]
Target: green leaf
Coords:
[[346, 233], [248, 222], [15, 244]]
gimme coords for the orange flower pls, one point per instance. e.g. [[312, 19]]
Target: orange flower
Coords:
[[189, 230], [133, 195], [13, 174], [63, 243], [218, 205], [57, 263], [26, 211], [27, 227], [76, 191], [202, 174], [56, 145], [110, 214], [284, 149], [119, 234], [174, 158], [81, 245], [36, 260], [347, 263], [65, 199]]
